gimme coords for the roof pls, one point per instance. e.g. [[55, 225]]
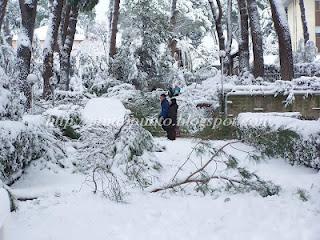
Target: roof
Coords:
[[41, 34]]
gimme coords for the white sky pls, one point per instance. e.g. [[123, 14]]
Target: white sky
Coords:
[[101, 10]]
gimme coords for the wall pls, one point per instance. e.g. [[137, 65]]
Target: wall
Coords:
[[308, 106], [295, 24]]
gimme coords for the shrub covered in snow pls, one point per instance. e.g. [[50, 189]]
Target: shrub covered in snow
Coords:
[[24, 141], [110, 142], [119, 149], [279, 135], [306, 53], [10, 101]]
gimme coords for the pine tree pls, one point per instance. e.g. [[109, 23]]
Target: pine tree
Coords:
[[218, 23], [50, 44], [244, 39], [28, 15], [3, 7], [257, 37], [284, 38], [114, 28], [68, 31], [304, 21]]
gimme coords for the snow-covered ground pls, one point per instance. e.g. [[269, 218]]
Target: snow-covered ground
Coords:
[[67, 209]]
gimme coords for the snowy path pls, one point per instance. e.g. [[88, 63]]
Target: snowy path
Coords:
[[65, 213]]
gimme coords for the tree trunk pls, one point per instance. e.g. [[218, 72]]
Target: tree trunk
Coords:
[[229, 59], [257, 36], [218, 24], [50, 45], [28, 15], [65, 54], [114, 28], [3, 7], [244, 41], [304, 21], [6, 31], [64, 23], [284, 38], [173, 22]]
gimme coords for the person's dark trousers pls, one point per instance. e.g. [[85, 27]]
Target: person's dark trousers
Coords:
[[165, 127], [172, 132]]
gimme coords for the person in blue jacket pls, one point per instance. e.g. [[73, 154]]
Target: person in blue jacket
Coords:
[[164, 114]]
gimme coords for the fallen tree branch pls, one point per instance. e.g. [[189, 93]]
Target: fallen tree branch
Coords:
[[203, 181], [190, 178], [212, 159]]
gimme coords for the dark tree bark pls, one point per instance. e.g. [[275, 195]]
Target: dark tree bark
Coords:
[[64, 23], [3, 7], [218, 23], [28, 15], [257, 40], [173, 22], [244, 41], [114, 28], [229, 58], [284, 38], [50, 45], [304, 21], [7, 32], [68, 37]]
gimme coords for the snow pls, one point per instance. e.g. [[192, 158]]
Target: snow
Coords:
[[4, 207], [4, 100], [101, 12], [104, 111], [277, 121], [23, 39], [270, 59], [67, 209]]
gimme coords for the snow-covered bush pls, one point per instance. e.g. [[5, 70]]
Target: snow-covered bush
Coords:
[[10, 101], [307, 69], [281, 135], [7, 59], [109, 143], [102, 85], [120, 149], [24, 141], [114, 140], [121, 155], [306, 53]]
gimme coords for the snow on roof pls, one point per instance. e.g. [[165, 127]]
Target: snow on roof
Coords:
[[41, 34]]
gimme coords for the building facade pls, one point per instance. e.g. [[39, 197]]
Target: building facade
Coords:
[[295, 24], [41, 34]]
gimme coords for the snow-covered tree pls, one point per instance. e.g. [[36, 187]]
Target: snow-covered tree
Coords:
[[244, 39], [256, 35], [28, 10], [50, 44], [217, 16], [67, 33], [304, 21], [3, 7], [114, 28], [285, 46], [144, 27]]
